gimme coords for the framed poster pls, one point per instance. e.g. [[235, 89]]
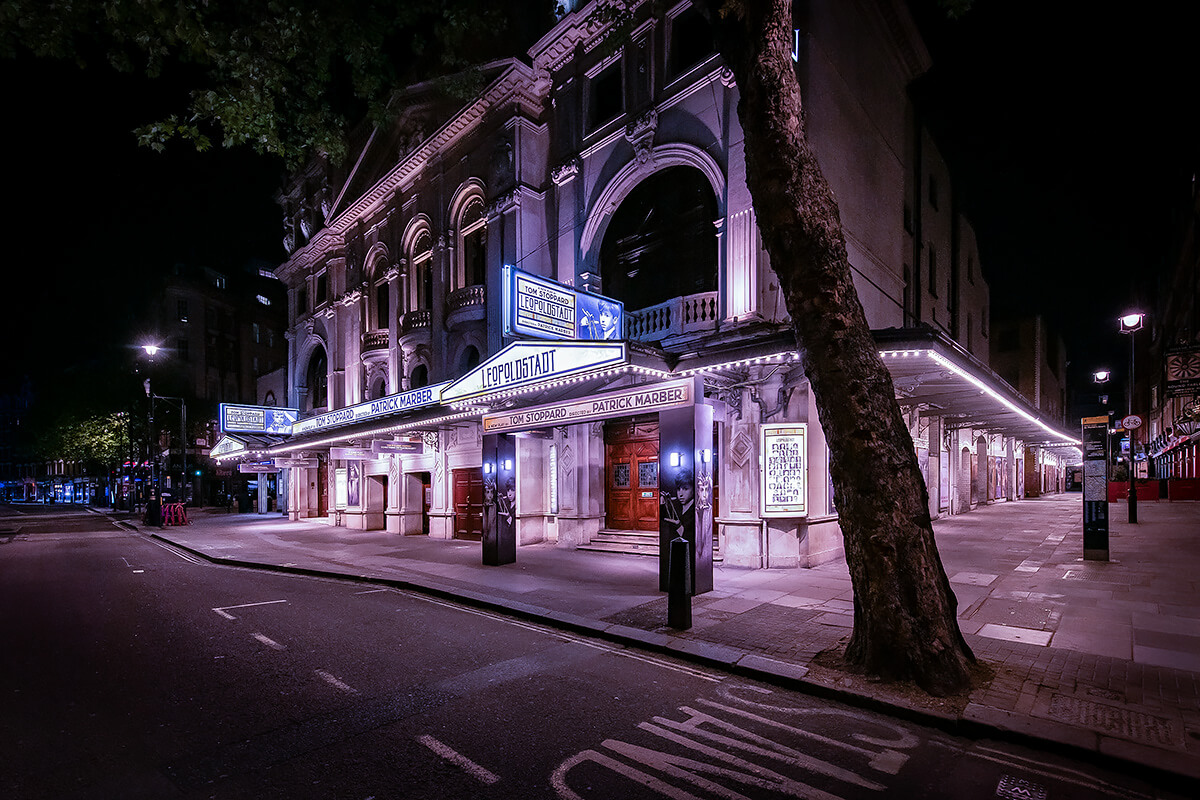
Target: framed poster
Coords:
[[784, 470]]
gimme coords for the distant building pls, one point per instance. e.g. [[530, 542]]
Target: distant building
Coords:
[[621, 174]]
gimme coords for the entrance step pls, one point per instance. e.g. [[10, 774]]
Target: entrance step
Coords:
[[643, 543]]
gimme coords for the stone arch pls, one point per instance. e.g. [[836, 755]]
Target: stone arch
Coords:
[[600, 214], [312, 343], [376, 266], [468, 222], [418, 259]]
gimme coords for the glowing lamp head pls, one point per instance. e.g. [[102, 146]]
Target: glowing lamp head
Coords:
[[151, 349], [1132, 322], [1102, 375]]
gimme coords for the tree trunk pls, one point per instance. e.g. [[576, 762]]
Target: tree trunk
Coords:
[[905, 622]]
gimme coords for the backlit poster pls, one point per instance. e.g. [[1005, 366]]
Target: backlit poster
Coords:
[[785, 470]]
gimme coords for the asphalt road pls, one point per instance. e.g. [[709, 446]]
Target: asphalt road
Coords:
[[130, 669]]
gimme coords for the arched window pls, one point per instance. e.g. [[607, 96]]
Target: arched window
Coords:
[[318, 379], [661, 242], [378, 387], [420, 271], [468, 360], [269, 400], [381, 295], [472, 244], [419, 377]]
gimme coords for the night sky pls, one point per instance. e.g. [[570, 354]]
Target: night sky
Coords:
[[1075, 135]]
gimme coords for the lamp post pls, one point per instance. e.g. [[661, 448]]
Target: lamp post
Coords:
[[153, 504], [1131, 323], [1101, 377]]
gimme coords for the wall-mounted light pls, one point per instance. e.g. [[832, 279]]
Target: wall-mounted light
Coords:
[[704, 456], [674, 459], [507, 464], [489, 468]]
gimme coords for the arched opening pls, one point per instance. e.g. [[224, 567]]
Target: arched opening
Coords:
[[418, 377], [468, 359], [377, 387], [472, 244], [662, 243], [317, 377], [420, 269]]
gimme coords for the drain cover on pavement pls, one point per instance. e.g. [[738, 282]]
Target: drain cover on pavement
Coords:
[[1019, 789]]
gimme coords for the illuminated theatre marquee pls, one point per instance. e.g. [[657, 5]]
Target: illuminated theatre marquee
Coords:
[[641, 399], [257, 419], [542, 309], [526, 363], [392, 404]]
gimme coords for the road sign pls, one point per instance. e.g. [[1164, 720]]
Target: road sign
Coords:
[[1131, 422]]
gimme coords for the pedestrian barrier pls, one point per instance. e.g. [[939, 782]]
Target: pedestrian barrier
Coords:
[[174, 514]]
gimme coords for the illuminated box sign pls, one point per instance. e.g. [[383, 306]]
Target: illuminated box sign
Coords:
[[258, 466], [381, 446], [257, 419], [301, 463], [227, 446], [544, 309], [639, 400], [392, 404], [784, 470], [351, 454], [525, 363]]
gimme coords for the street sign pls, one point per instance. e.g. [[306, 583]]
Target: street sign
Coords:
[[1132, 422]]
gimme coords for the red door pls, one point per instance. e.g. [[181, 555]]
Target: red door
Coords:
[[468, 503], [631, 475]]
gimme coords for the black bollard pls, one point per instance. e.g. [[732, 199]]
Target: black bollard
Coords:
[[679, 584]]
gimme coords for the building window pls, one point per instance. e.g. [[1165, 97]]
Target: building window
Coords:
[[181, 307], [691, 40], [420, 260], [606, 96], [318, 379], [255, 331], [322, 288], [468, 360], [933, 192], [381, 306], [301, 301], [472, 245], [932, 270], [419, 377], [181, 349], [269, 400]]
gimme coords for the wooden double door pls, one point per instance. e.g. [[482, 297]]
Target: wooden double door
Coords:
[[631, 474], [468, 503]]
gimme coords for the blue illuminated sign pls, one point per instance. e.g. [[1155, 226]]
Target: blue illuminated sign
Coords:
[[258, 419], [542, 309]]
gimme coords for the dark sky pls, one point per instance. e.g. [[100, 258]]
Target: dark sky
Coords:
[[1075, 133]]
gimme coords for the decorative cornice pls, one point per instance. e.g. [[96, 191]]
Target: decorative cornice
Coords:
[[640, 133], [564, 173]]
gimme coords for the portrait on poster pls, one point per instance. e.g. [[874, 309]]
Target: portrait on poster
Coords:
[[784, 458]]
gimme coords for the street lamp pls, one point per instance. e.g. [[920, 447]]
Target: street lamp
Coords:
[[1131, 323], [153, 504]]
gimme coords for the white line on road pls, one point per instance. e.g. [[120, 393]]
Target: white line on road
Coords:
[[223, 609], [186, 556], [457, 759], [271, 643], [335, 683], [373, 591]]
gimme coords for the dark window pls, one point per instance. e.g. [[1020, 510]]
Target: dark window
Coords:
[[381, 306], [322, 288], [318, 367], [691, 40], [475, 257], [933, 192], [419, 377], [469, 360], [181, 349], [301, 301], [182, 308], [933, 270], [665, 222], [607, 97]]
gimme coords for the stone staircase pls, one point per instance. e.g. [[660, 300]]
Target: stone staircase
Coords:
[[639, 543]]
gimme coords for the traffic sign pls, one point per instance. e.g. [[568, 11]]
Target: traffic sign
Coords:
[[1131, 422]]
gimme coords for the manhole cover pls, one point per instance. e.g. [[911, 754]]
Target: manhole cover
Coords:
[[1020, 789]]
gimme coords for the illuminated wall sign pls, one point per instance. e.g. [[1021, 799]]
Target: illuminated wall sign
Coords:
[[638, 400], [351, 454], [392, 404], [784, 470], [380, 446], [258, 466], [339, 489], [227, 446], [257, 419], [525, 363], [544, 309], [301, 463]]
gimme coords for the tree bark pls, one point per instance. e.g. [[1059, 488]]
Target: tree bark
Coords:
[[905, 613]]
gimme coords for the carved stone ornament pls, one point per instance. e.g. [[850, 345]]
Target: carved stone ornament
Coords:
[[727, 77], [309, 326], [504, 202], [564, 173], [640, 134], [289, 235], [326, 203]]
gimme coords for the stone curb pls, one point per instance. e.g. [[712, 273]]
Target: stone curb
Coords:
[[1165, 769]]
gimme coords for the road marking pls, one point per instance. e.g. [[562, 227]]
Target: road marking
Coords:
[[572, 639], [186, 556], [271, 643], [373, 591], [477, 772], [137, 571], [335, 683], [223, 609]]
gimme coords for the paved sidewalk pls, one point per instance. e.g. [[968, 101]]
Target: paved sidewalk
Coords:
[[1094, 658]]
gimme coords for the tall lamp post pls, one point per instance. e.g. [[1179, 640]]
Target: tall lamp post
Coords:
[[1131, 323], [1101, 377], [153, 504]]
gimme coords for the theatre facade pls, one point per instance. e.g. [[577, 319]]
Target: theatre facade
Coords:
[[545, 316]]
